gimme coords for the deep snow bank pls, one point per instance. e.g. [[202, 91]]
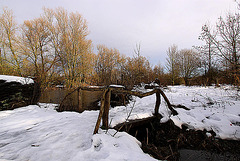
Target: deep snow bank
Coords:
[[33, 133]]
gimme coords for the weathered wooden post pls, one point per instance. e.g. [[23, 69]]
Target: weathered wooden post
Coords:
[[106, 109], [174, 112], [100, 112], [158, 102]]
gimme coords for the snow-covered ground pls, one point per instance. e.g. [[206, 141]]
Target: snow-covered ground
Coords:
[[22, 80], [33, 133], [211, 108], [40, 133]]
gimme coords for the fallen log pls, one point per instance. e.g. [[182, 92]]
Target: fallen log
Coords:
[[125, 126], [141, 95], [181, 106]]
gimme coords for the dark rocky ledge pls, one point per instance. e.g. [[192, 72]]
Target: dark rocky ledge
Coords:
[[14, 94]]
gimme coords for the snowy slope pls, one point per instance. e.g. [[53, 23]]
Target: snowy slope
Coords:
[[42, 134]]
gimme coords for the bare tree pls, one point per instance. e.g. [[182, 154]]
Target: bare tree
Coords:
[[172, 63], [208, 52], [227, 41], [36, 46], [158, 73], [106, 64], [69, 39], [138, 61], [189, 62]]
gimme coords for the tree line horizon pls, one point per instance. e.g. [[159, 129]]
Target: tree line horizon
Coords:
[[54, 49]]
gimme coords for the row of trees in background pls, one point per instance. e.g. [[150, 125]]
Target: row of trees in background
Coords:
[[216, 61], [111, 67], [54, 49]]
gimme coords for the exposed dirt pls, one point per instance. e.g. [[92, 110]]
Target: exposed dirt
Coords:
[[163, 141]]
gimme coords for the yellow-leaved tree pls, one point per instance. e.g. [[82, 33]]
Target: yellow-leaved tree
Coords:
[[69, 33], [11, 59]]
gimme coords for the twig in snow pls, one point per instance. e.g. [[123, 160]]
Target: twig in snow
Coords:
[[126, 119], [108, 126]]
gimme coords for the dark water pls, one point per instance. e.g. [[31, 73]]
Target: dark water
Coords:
[[167, 141], [200, 155]]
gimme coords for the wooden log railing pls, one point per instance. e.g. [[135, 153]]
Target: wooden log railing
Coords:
[[106, 97], [101, 112], [105, 103]]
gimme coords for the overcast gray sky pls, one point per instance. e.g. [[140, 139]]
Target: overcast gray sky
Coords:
[[121, 24]]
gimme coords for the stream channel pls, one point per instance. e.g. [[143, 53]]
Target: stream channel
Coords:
[[166, 141]]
